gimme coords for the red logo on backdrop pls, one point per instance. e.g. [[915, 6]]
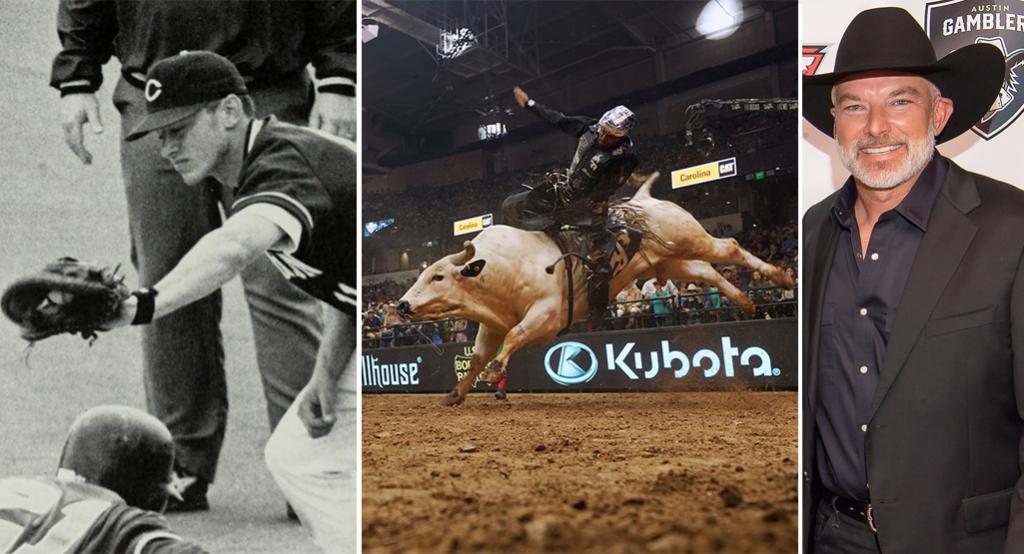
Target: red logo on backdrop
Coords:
[[812, 56]]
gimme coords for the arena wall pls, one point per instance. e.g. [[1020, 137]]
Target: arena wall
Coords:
[[752, 355]]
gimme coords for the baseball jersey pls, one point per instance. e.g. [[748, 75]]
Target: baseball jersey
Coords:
[[310, 176], [50, 516]]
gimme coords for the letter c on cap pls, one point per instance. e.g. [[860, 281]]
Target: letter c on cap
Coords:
[[153, 89]]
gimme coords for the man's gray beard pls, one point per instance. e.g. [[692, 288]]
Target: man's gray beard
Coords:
[[919, 154]]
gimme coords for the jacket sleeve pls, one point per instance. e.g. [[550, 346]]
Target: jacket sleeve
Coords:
[[332, 30], [572, 124], [86, 29]]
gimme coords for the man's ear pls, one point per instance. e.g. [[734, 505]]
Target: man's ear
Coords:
[[473, 269], [231, 108], [943, 111]]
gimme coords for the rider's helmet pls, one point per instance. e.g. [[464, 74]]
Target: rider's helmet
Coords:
[[614, 126], [122, 449], [618, 121]]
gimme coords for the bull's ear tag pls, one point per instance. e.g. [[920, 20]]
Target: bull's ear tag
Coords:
[[473, 269]]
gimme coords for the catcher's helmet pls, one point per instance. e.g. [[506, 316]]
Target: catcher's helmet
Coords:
[[123, 449]]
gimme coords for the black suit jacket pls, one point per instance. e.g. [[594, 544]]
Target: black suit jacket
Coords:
[[944, 444]]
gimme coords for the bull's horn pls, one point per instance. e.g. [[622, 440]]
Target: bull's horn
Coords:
[[467, 254]]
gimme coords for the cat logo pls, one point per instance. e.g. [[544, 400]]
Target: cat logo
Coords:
[[291, 267]]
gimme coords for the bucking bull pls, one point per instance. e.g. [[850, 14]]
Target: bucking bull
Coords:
[[504, 280]]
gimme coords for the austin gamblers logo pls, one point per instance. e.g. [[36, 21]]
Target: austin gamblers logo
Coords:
[[953, 24]]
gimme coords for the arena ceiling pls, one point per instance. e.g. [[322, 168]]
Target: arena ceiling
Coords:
[[412, 95]]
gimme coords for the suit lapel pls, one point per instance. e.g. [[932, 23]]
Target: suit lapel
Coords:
[[949, 234]]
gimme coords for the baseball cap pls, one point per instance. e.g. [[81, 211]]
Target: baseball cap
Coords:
[[179, 86]]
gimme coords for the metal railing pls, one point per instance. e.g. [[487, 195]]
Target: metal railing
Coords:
[[682, 309]]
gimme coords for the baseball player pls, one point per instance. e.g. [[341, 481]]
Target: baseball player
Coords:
[[114, 476], [295, 202], [271, 43]]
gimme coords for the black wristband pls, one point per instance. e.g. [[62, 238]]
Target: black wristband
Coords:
[[145, 307], [84, 88], [345, 90]]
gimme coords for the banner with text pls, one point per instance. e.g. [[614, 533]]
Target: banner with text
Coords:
[[473, 224], [757, 355], [711, 171]]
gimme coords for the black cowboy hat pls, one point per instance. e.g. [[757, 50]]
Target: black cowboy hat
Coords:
[[891, 39]]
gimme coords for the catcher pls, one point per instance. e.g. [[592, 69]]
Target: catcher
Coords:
[[295, 202]]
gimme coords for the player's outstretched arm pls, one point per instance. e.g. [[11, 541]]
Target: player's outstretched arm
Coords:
[[217, 258], [318, 399]]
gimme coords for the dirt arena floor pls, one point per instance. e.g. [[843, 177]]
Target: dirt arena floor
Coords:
[[610, 473]]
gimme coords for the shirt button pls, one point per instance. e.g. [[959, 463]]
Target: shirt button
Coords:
[[864, 428], [874, 256], [863, 369], [863, 311]]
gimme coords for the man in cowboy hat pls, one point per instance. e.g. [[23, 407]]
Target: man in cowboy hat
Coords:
[[913, 386]]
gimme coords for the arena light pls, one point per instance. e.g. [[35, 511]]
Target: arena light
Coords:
[[490, 131], [454, 43], [720, 18]]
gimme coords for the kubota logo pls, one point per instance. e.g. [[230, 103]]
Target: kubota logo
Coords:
[[574, 363], [565, 363]]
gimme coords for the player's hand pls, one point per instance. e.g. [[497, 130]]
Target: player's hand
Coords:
[[129, 306], [521, 97], [317, 404], [75, 111], [335, 114]]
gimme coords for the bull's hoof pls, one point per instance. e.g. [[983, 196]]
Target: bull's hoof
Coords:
[[491, 376], [493, 372], [453, 398]]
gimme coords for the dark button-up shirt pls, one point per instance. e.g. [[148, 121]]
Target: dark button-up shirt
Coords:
[[862, 295]]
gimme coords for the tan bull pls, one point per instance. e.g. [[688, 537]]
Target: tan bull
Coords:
[[502, 280]]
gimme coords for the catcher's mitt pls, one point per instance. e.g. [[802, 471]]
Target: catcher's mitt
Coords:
[[67, 296]]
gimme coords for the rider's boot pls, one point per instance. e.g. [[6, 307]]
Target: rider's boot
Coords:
[[602, 247], [597, 295]]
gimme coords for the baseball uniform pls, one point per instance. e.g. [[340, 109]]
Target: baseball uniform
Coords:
[[305, 182], [270, 43], [51, 516]]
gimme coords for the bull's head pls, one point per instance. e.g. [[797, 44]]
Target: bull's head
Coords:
[[445, 288]]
